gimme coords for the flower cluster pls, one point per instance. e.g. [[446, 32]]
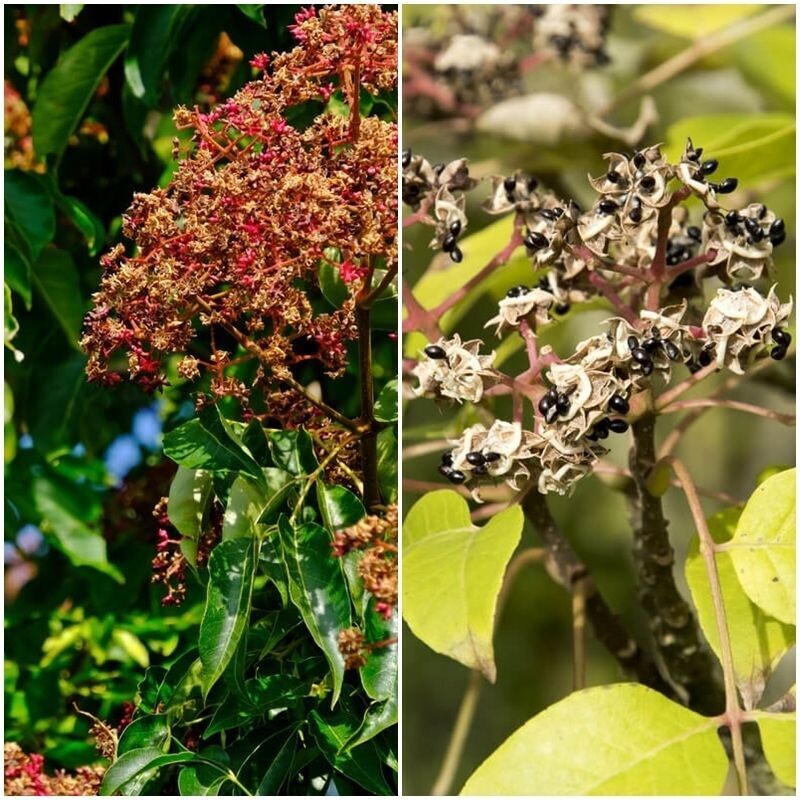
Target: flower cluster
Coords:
[[18, 139], [225, 266], [24, 776]]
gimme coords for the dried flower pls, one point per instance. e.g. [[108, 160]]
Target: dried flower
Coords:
[[453, 369], [353, 647]]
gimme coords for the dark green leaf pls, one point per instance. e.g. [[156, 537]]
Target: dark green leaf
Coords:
[[199, 781], [379, 674], [66, 90], [29, 208], [275, 691], [189, 494], [84, 220], [17, 272], [129, 773], [256, 13], [387, 464], [378, 717], [333, 288], [278, 770], [339, 507], [318, 590], [231, 569], [255, 440], [56, 279], [207, 443], [386, 404], [11, 326], [293, 451], [279, 486], [148, 731]]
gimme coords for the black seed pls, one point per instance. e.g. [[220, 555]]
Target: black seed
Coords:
[[549, 213], [552, 393], [544, 403], [693, 232], [517, 291], [456, 255], [756, 236], [561, 308], [639, 160], [777, 238], [412, 190], [632, 342], [640, 354], [438, 169], [509, 184], [762, 211], [693, 366], [551, 414], [455, 227], [778, 353], [445, 470], [732, 219], [728, 185], [475, 458], [635, 214], [613, 176], [651, 345], [752, 225], [491, 456], [709, 167], [448, 243], [782, 337], [647, 367], [406, 158], [673, 353], [480, 469], [704, 358], [562, 404], [558, 211], [532, 184], [592, 437], [536, 241], [457, 476], [601, 429], [447, 459], [619, 404], [544, 283], [434, 351], [617, 425], [607, 206], [647, 183], [777, 226]]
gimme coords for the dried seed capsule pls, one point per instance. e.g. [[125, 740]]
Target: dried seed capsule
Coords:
[[447, 459], [406, 158], [728, 185], [672, 351], [456, 255], [606, 206], [709, 167], [448, 243], [456, 476], [435, 351], [619, 404], [617, 425], [778, 353], [782, 337], [475, 458], [455, 227], [535, 241]]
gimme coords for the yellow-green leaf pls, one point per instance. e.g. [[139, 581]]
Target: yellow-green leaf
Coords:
[[763, 547], [778, 735], [702, 21], [758, 641], [619, 739], [452, 575]]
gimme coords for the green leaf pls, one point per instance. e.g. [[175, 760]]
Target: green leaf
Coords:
[[339, 507], [293, 451], [609, 740], [254, 12], [333, 288], [155, 34], [84, 220], [778, 735], [278, 770], [151, 730], [231, 568], [200, 781], [362, 764], [70, 10], [246, 502], [132, 646], [379, 674], [756, 148], [317, 589], [189, 494], [704, 20], [386, 404], [208, 443], [63, 523], [378, 717], [387, 464], [29, 208], [17, 272], [130, 772], [762, 59], [56, 279], [67, 89], [452, 575], [10, 324], [757, 641], [763, 547]]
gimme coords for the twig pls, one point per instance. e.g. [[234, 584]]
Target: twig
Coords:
[[747, 408], [579, 634], [608, 291], [684, 386]]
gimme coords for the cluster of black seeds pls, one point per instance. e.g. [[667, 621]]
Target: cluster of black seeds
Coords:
[[450, 242], [754, 229], [478, 461], [709, 167], [782, 339]]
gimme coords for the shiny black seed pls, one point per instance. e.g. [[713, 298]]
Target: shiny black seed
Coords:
[[647, 367], [640, 354], [561, 308], [551, 414], [601, 429], [447, 459], [607, 206], [693, 366], [517, 291], [756, 236], [544, 403], [456, 255], [778, 353], [455, 227], [562, 404], [456, 476], [777, 226], [782, 337], [406, 158], [558, 211], [619, 404], [613, 176], [411, 191], [617, 425], [672, 351], [592, 437], [632, 342], [552, 393], [651, 345], [509, 184], [448, 243], [434, 351], [491, 457], [445, 470], [762, 211], [544, 283], [704, 358], [728, 185], [752, 225], [709, 167], [639, 160], [647, 183], [480, 469], [732, 219], [693, 232], [532, 184], [475, 458], [549, 213], [777, 238], [536, 241], [636, 214]]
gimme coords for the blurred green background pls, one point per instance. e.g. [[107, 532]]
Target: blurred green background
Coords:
[[739, 104]]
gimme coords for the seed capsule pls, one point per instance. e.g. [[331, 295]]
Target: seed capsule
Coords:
[[536, 241], [456, 255], [435, 351], [782, 337], [709, 167], [456, 476], [619, 404], [617, 425], [475, 458], [728, 185], [455, 227]]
